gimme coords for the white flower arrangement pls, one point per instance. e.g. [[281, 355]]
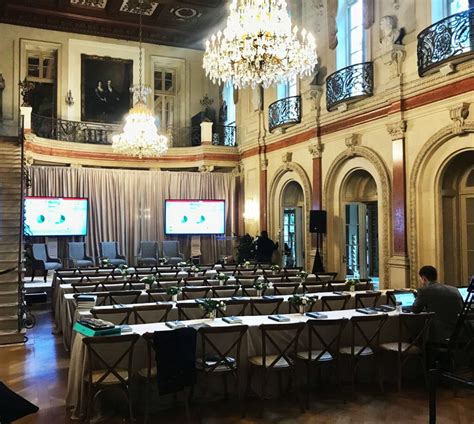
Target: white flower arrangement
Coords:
[[163, 261], [195, 269], [352, 283], [302, 274], [182, 264], [222, 277], [301, 300], [246, 264], [123, 269], [262, 284], [104, 262], [210, 306], [149, 280], [173, 291], [275, 268]]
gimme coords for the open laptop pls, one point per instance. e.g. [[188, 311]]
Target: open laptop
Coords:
[[405, 298], [463, 292]]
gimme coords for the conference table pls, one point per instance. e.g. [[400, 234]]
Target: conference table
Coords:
[[251, 345], [67, 313]]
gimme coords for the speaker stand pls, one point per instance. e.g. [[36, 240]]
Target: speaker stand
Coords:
[[318, 261]]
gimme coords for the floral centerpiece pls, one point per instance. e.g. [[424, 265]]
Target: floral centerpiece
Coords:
[[275, 269], [123, 270], [352, 283], [246, 264], [173, 292], [222, 278], [104, 263], [149, 280], [182, 265], [195, 270], [302, 301], [210, 306], [303, 275], [261, 285], [163, 261]]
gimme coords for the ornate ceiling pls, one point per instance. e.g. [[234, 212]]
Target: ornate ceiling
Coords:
[[170, 22]]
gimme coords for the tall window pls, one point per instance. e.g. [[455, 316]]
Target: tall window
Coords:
[[165, 97], [287, 89], [228, 98], [41, 70], [351, 36], [442, 8]]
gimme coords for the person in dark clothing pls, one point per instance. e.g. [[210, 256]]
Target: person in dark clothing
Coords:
[[445, 301], [264, 248]]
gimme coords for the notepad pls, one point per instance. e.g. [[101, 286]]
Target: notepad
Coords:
[[366, 311], [175, 324], [232, 320], [384, 308], [316, 315], [279, 318]]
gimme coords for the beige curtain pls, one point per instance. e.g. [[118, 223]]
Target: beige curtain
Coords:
[[128, 206]]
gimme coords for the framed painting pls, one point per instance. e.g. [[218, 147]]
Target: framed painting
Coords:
[[105, 88]]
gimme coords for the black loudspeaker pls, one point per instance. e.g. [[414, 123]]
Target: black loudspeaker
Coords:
[[317, 222]]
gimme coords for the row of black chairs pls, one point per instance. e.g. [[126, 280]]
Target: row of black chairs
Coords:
[[220, 353]]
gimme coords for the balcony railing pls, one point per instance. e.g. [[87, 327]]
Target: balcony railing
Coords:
[[224, 135], [449, 40], [73, 131], [92, 133], [284, 113], [349, 84]]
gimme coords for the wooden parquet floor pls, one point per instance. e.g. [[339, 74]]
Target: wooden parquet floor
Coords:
[[38, 371]]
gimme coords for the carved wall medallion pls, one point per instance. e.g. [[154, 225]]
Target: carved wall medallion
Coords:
[[458, 115], [397, 130]]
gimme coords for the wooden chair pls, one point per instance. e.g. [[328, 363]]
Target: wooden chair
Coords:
[[234, 308], [314, 287], [195, 292], [225, 291], [264, 306], [365, 300], [220, 353], [195, 282], [282, 289], [324, 339], [245, 281], [334, 302], [188, 310], [117, 316], [122, 297], [106, 372], [275, 279], [158, 295], [144, 314], [411, 342], [81, 287], [276, 355], [323, 277], [367, 330]]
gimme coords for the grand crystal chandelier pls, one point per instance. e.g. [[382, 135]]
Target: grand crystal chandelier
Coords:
[[259, 46], [140, 136]]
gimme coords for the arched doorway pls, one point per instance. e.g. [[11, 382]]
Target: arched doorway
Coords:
[[360, 201], [292, 219], [457, 201]]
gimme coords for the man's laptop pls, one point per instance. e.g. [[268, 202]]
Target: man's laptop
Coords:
[[406, 299], [463, 292]]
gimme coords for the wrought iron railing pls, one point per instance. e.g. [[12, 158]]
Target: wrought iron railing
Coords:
[[73, 131], [284, 113], [224, 135], [349, 84], [449, 40]]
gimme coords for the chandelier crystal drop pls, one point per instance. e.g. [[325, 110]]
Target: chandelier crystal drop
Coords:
[[259, 46], [140, 136]]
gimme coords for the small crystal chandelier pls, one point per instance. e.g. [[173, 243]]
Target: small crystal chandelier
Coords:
[[140, 137], [259, 46]]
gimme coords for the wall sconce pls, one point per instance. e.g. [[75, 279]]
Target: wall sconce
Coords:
[[69, 99]]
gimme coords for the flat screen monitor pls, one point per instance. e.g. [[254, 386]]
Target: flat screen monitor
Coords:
[[188, 217], [463, 292], [55, 216], [406, 299]]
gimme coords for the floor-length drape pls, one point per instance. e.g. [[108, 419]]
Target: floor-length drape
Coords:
[[128, 206]]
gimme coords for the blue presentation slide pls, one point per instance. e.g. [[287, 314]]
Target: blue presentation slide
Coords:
[[195, 217], [55, 216]]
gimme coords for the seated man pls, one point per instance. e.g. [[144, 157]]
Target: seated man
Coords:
[[445, 301]]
